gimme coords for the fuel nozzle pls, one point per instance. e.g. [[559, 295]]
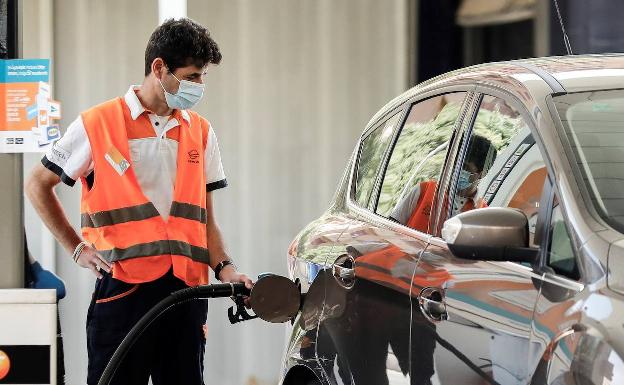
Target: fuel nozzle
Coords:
[[273, 298], [239, 313]]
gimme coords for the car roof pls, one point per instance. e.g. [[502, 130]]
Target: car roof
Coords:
[[563, 74]]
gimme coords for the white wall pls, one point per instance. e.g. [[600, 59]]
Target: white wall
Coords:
[[298, 82]]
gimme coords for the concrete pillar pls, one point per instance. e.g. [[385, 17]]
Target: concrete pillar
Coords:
[[11, 222]]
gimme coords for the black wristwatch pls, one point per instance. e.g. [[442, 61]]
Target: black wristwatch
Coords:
[[220, 266]]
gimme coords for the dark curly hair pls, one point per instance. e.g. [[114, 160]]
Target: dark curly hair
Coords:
[[479, 150], [181, 43]]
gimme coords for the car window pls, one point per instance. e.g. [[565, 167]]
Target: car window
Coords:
[[592, 123], [561, 253], [372, 151], [502, 166], [417, 159]]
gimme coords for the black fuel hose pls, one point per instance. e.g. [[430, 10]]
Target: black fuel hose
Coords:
[[198, 292]]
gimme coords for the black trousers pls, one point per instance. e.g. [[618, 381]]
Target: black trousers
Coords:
[[171, 351]]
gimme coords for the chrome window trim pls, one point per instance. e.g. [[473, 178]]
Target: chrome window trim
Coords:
[[449, 175], [386, 158], [380, 221], [378, 124], [561, 280], [366, 212]]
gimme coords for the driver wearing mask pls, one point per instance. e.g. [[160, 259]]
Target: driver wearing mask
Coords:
[[414, 209]]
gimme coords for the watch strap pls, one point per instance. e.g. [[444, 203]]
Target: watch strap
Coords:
[[220, 266]]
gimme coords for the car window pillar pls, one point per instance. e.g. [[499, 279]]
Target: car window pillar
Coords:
[[462, 131]]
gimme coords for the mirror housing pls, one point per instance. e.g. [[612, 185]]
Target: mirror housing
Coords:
[[490, 234]]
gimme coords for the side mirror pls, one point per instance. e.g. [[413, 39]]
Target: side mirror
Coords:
[[490, 234]]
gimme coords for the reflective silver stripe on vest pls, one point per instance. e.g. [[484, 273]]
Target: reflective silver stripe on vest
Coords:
[[116, 216], [165, 247], [188, 211]]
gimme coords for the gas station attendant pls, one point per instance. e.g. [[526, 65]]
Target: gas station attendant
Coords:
[[148, 166]]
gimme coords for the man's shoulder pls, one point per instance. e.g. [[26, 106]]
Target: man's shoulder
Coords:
[[106, 106], [100, 116], [196, 116], [203, 123]]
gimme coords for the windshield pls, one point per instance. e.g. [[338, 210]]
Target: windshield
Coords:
[[594, 125]]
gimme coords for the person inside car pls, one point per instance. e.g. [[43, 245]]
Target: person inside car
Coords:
[[414, 209]]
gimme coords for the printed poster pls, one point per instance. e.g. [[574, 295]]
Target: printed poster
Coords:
[[28, 113]]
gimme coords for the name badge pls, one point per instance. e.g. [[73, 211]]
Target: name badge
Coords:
[[115, 159]]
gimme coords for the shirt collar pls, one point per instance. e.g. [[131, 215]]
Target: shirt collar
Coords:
[[460, 202], [136, 108]]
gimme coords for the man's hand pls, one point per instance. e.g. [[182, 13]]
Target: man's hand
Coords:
[[230, 275], [90, 259]]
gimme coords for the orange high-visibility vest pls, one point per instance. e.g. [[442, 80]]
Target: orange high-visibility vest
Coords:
[[379, 266], [121, 222], [419, 219]]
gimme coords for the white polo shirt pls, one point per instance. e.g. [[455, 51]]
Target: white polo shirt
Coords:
[[153, 158]]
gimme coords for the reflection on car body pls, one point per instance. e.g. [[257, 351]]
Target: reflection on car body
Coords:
[[428, 292]]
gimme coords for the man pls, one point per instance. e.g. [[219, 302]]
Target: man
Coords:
[[148, 167], [414, 209]]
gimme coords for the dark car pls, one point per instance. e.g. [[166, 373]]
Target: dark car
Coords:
[[477, 236]]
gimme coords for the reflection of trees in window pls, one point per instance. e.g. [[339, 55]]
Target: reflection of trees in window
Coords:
[[498, 122], [371, 155], [418, 156]]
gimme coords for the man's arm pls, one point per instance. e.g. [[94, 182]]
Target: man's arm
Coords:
[[403, 210], [216, 248], [40, 191]]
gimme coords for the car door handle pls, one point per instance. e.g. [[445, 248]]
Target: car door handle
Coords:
[[344, 271], [431, 301]]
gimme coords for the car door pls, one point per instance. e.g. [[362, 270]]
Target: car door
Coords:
[[482, 311], [574, 342], [366, 317], [558, 318]]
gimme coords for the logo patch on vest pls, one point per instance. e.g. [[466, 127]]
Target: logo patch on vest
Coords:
[[193, 156], [115, 159]]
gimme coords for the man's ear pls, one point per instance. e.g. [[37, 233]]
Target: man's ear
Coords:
[[158, 68]]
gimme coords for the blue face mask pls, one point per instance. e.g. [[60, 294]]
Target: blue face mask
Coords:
[[464, 180], [188, 95]]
